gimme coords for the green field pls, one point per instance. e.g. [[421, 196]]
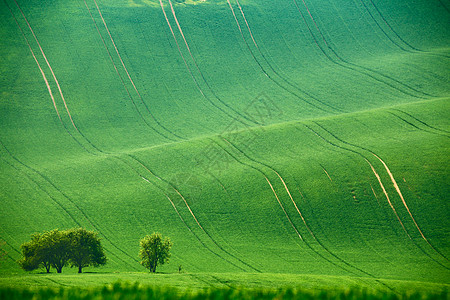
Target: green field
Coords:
[[277, 143]]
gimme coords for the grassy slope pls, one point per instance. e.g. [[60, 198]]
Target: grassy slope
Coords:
[[341, 81]]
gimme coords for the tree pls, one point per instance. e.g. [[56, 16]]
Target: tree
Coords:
[[85, 249], [59, 246], [33, 255], [49, 249], [154, 251]]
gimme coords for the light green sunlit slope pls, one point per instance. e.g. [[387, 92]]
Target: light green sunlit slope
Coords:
[[287, 136]]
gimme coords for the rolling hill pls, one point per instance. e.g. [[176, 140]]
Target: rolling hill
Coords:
[[295, 137]]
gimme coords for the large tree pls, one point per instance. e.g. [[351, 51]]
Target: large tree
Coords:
[[35, 254], [48, 249], [85, 249], [154, 251]]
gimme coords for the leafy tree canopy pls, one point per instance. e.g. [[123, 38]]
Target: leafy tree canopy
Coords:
[[154, 251], [85, 249], [57, 248]]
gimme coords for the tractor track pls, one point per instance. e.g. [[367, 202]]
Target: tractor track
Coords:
[[130, 79], [125, 87], [241, 117], [340, 61], [382, 186]]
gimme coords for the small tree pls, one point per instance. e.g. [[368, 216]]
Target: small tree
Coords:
[[85, 249], [154, 251]]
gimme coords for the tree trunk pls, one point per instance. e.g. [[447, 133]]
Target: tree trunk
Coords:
[[79, 269]]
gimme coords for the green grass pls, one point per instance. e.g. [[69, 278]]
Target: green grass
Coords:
[[127, 291], [204, 285], [281, 149]]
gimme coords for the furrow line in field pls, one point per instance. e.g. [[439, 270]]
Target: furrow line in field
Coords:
[[394, 184], [264, 70], [420, 121], [121, 79], [200, 72], [381, 28], [387, 197], [418, 128], [375, 194], [131, 80], [384, 191], [276, 72], [270, 185], [48, 85], [188, 227], [328, 175], [37, 62], [368, 162], [193, 215], [46, 179], [412, 48], [174, 188], [48, 64], [397, 188], [88, 151], [387, 77], [397, 35], [444, 6], [339, 62], [390, 27], [299, 212], [407, 89], [13, 248], [308, 228], [43, 190], [284, 210]]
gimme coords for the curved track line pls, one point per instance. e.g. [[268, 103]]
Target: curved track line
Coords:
[[37, 62], [120, 77], [48, 86], [395, 186], [282, 207], [420, 121], [387, 197], [390, 27], [403, 200], [268, 181], [193, 215], [263, 70], [328, 175], [189, 228], [43, 190], [375, 194], [200, 72], [276, 72], [289, 193], [46, 179], [354, 67], [43, 176], [382, 30], [413, 49], [129, 76], [48, 64]]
